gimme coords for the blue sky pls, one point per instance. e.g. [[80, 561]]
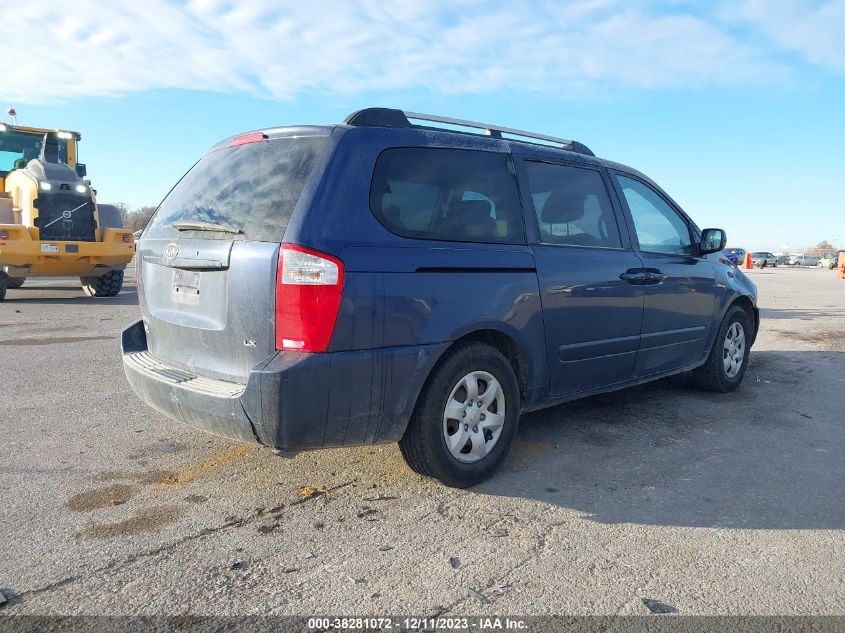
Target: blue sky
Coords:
[[735, 108]]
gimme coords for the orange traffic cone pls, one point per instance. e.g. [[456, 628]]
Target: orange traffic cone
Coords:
[[748, 261], [841, 266]]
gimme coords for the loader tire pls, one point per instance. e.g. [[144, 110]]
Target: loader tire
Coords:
[[16, 282], [4, 281], [109, 285]]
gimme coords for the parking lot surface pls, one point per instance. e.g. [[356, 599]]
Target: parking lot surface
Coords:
[[712, 504]]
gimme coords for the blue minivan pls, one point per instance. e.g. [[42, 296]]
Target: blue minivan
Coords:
[[412, 278]]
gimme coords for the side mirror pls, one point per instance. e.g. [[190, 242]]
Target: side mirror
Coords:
[[712, 241], [81, 170]]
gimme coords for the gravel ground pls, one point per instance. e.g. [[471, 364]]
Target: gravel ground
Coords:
[[712, 504]]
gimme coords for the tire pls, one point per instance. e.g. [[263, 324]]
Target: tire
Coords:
[[109, 285], [4, 282], [424, 445], [16, 282], [714, 375]]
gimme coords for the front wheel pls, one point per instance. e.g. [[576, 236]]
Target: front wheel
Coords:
[[466, 418], [16, 282], [728, 357], [108, 285]]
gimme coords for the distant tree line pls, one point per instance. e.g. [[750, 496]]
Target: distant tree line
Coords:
[[822, 248], [135, 220]]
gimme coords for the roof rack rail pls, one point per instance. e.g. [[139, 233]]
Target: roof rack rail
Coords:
[[391, 117]]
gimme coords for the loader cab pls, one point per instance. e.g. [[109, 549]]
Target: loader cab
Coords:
[[19, 145]]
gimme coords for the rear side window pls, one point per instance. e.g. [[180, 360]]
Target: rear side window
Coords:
[[250, 188], [447, 194], [572, 206]]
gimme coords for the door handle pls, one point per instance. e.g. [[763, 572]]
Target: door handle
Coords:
[[633, 276], [655, 276]]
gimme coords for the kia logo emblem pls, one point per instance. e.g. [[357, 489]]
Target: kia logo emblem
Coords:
[[171, 251]]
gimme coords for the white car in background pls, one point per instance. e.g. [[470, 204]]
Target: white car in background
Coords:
[[762, 259], [803, 260], [829, 261]]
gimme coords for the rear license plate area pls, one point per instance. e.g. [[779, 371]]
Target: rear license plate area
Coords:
[[186, 286]]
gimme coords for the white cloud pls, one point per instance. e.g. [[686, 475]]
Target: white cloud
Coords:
[[814, 30], [54, 50]]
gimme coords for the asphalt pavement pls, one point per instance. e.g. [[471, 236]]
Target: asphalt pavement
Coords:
[[711, 504]]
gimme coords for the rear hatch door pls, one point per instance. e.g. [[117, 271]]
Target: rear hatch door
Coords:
[[207, 261]]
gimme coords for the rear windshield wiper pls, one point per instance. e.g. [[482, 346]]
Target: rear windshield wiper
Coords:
[[193, 225]]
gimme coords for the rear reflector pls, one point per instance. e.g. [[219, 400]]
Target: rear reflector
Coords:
[[139, 264], [309, 286], [244, 139]]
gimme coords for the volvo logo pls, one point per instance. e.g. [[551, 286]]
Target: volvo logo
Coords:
[[170, 252]]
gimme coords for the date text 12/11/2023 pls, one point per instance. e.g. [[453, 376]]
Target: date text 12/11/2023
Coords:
[[416, 623]]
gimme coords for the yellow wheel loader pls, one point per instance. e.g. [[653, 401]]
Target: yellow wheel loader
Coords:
[[50, 222]]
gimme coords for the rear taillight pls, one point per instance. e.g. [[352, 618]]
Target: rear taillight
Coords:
[[309, 286]]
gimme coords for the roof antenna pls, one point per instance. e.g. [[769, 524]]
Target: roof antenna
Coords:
[[12, 113]]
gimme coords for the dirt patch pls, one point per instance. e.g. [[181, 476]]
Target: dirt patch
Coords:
[[524, 453], [56, 339], [597, 437], [306, 492], [142, 522], [398, 471], [679, 423], [668, 440], [197, 470], [829, 339], [143, 477], [114, 495], [164, 448]]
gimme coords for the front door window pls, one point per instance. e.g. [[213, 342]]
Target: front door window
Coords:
[[659, 228]]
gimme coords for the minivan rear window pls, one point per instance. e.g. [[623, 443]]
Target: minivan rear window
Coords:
[[251, 188], [447, 194]]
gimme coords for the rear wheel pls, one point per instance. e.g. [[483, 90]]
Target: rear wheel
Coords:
[[16, 282], [466, 418], [108, 285], [728, 357], [4, 282]]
